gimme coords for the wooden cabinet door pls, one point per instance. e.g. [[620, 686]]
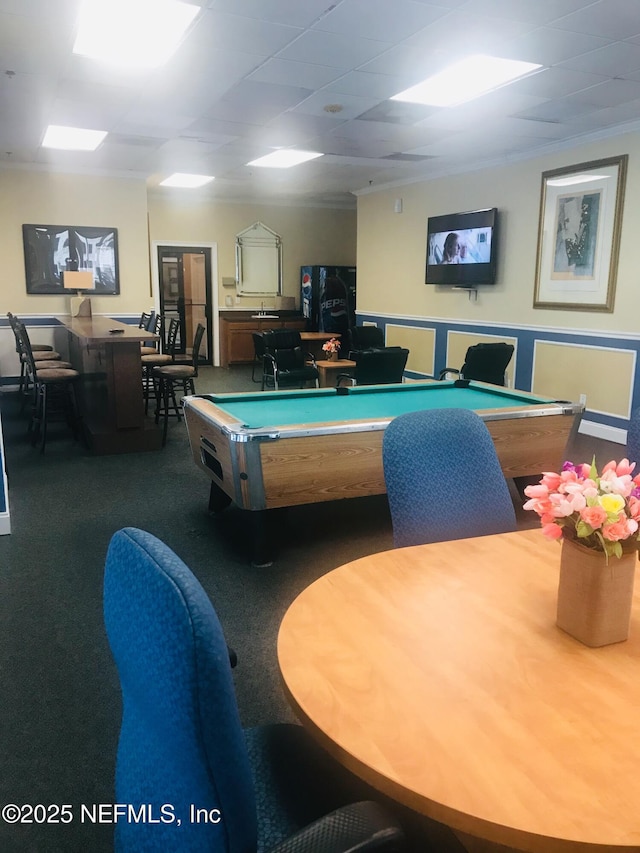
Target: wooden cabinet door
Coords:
[[240, 341]]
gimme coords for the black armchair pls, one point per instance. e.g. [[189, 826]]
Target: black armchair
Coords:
[[285, 363], [364, 337], [484, 363], [382, 366]]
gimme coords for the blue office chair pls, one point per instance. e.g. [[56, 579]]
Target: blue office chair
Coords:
[[633, 440], [443, 478], [181, 741]]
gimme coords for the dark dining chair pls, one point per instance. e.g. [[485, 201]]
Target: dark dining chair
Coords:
[[270, 788], [384, 366], [484, 363], [285, 363], [443, 478]]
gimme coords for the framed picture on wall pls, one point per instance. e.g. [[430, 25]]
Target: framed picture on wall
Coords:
[[50, 250], [579, 235]]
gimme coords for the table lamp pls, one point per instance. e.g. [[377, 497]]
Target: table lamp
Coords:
[[79, 280]]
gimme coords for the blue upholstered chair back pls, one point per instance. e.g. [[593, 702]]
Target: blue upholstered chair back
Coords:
[[633, 440], [443, 478], [181, 741]]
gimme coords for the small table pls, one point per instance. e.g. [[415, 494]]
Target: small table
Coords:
[[330, 369], [107, 355], [438, 675], [275, 449], [312, 342]]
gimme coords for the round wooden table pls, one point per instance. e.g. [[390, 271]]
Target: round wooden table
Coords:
[[438, 675]]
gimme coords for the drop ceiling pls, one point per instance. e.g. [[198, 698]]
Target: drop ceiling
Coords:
[[253, 75]]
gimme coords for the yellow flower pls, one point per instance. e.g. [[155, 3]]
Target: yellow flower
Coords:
[[611, 504]]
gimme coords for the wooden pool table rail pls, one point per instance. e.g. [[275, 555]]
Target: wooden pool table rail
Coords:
[[309, 463]]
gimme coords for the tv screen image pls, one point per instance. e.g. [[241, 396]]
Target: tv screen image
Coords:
[[468, 246], [461, 248]]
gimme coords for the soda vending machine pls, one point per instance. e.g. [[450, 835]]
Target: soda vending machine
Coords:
[[328, 298]]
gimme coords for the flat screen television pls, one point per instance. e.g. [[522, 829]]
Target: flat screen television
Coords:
[[461, 248]]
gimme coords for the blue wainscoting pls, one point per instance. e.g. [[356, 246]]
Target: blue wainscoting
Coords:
[[598, 423]]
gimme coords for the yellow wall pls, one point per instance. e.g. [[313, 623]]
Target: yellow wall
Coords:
[[309, 235], [392, 247], [565, 371], [42, 198]]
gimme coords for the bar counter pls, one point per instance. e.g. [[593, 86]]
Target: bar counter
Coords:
[[107, 355]]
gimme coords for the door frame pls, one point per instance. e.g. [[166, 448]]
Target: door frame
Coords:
[[212, 248]]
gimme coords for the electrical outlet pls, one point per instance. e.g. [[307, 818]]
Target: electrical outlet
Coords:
[[583, 399]]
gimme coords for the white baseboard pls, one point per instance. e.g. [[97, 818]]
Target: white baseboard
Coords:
[[5, 523], [608, 433]]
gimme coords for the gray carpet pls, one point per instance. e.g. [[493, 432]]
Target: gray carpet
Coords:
[[61, 705]]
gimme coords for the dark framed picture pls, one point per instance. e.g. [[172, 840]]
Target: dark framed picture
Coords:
[[50, 250]]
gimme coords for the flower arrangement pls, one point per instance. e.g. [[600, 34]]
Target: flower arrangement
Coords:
[[598, 510], [331, 346]]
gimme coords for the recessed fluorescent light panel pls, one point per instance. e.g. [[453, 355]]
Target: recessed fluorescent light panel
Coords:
[[575, 179], [467, 79], [132, 33], [72, 138], [285, 157], [183, 179]]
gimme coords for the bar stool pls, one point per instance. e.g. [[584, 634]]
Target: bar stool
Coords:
[[155, 359], [176, 376], [155, 324], [51, 385], [40, 351]]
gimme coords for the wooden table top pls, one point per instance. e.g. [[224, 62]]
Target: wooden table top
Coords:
[[437, 674], [327, 363], [319, 336], [99, 329]]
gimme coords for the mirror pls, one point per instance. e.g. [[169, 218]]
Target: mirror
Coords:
[[258, 262]]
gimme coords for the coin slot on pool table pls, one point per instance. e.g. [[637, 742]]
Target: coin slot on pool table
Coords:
[[208, 459]]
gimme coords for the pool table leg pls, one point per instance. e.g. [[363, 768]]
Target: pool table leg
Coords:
[[263, 525]]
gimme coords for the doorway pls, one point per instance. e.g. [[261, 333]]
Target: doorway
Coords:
[[184, 286]]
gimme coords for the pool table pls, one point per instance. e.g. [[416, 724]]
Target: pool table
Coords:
[[269, 450]]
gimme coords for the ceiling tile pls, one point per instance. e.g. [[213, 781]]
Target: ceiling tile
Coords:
[[252, 75], [613, 19], [338, 50], [614, 60]]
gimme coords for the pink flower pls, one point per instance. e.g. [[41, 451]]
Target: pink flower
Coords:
[[634, 507], [594, 516], [538, 491], [622, 467], [599, 509], [619, 530], [550, 480], [612, 483], [565, 505]]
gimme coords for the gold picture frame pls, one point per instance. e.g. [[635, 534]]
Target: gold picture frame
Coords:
[[579, 235]]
